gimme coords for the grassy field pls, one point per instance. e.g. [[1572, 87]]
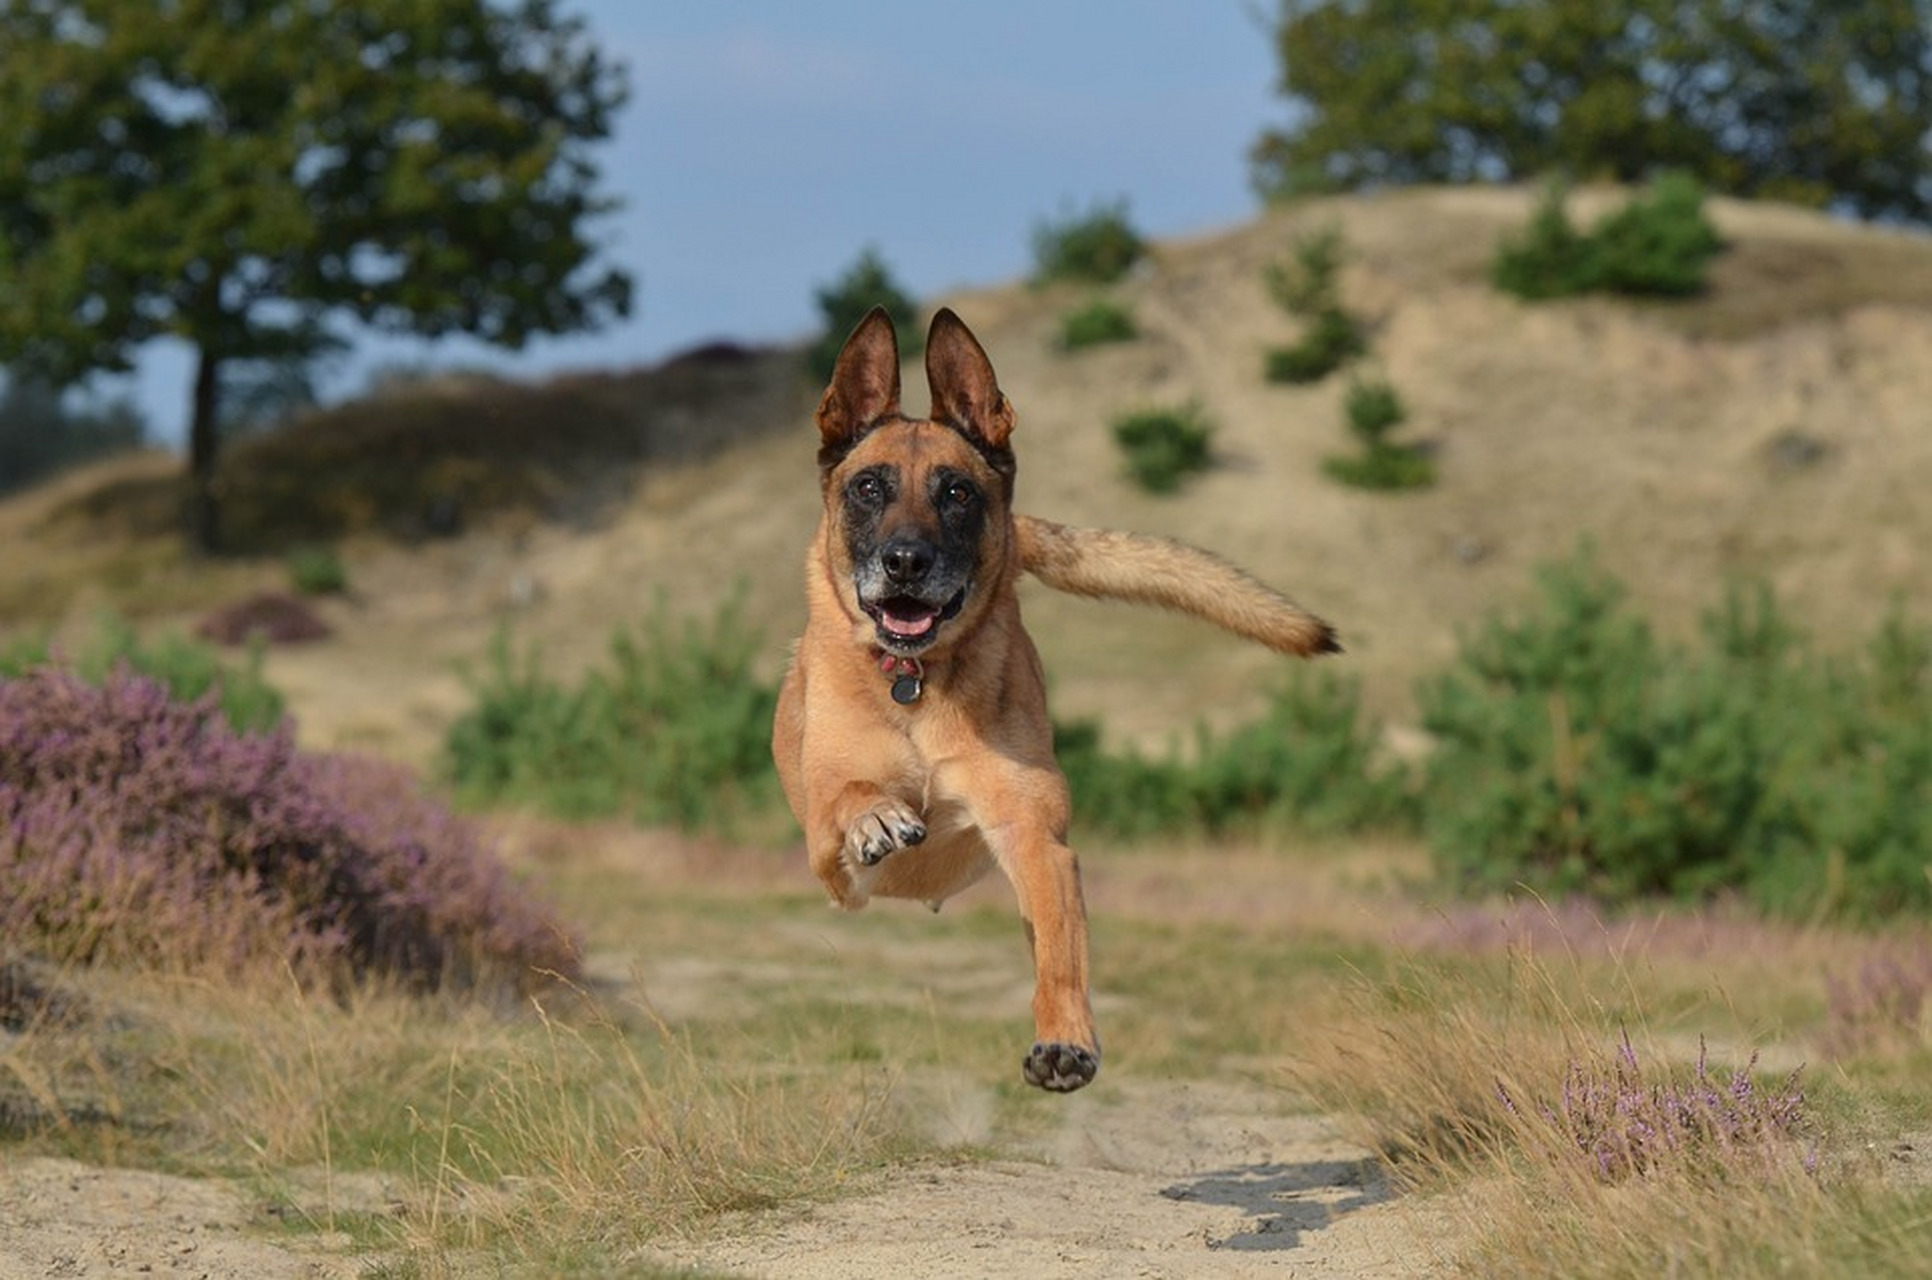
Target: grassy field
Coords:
[[737, 1049]]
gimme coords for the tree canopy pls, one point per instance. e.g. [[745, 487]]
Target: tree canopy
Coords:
[[1826, 102], [245, 175]]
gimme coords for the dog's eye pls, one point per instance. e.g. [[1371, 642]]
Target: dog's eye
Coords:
[[960, 494], [868, 489]]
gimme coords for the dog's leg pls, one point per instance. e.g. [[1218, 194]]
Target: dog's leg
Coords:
[[1046, 879], [863, 826]]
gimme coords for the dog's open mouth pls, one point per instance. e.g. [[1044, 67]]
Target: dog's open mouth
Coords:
[[907, 623]]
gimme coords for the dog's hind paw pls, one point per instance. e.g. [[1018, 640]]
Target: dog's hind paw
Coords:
[[1061, 1068], [882, 829]]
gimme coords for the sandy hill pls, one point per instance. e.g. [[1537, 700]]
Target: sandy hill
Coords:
[[1778, 428]]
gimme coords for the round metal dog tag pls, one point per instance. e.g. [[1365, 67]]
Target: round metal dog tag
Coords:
[[906, 690]]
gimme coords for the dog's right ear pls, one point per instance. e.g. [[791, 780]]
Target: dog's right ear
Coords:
[[864, 387]]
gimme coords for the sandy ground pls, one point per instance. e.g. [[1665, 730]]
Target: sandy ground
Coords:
[[61, 1218], [1170, 1181]]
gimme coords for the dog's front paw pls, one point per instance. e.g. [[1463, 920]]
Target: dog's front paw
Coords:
[[887, 826], [1059, 1067]]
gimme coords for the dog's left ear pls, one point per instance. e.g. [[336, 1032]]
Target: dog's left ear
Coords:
[[864, 387], [964, 391]]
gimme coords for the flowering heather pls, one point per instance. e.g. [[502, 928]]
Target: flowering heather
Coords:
[[274, 616], [138, 829], [1624, 1126]]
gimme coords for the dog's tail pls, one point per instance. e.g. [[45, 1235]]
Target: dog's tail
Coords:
[[1106, 564]]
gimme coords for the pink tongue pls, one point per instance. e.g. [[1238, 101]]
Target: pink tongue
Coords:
[[918, 626]]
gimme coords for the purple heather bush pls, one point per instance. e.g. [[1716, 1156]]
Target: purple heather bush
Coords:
[[1623, 1125], [137, 829], [1883, 1003], [274, 617]]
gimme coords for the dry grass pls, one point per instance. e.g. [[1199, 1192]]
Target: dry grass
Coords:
[[709, 1065], [1523, 1098], [439, 1133]]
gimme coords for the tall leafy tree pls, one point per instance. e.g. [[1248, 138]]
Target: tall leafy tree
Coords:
[[249, 176], [1818, 101]]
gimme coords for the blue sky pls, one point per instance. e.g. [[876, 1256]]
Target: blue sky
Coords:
[[767, 142]]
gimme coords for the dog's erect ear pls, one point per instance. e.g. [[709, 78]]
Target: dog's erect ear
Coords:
[[865, 384], [964, 391]]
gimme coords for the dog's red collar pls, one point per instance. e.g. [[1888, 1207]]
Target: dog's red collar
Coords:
[[908, 677]]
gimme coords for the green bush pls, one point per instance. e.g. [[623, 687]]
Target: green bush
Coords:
[[866, 284], [1388, 468], [1307, 763], [186, 668], [1100, 321], [1122, 794], [1097, 247], [1164, 446], [1331, 340], [1658, 245], [675, 729], [1374, 409], [1311, 284], [1576, 753], [1309, 289], [1552, 259], [317, 571]]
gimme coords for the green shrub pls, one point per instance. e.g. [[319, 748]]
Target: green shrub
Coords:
[[1097, 247], [1658, 244], [1309, 289], [675, 729], [1388, 468], [1578, 754], [185, 668], [1100, 321], [1552, 259], [1331, 340], [866, 284], [317, 571], [1164, 446], [1311, 284], [1374, 409], [1123, 795], [1307, 763]]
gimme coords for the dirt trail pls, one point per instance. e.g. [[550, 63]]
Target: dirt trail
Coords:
[[61, 1218], [1181, 1180]]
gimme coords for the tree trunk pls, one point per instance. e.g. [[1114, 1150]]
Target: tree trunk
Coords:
[[204, 447]]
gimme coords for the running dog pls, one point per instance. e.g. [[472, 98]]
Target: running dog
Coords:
[[912, 734]]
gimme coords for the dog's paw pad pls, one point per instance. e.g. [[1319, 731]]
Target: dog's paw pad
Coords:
[[879, 832], [1061, 1068]]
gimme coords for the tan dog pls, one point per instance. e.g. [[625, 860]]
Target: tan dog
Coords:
[[912, 733]]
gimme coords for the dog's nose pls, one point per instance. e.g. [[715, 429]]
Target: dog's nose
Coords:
[[905, 560]]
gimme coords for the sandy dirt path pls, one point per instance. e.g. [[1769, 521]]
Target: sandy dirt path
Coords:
[[60, 1218], [1178, 1181], [1182, 1180]]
